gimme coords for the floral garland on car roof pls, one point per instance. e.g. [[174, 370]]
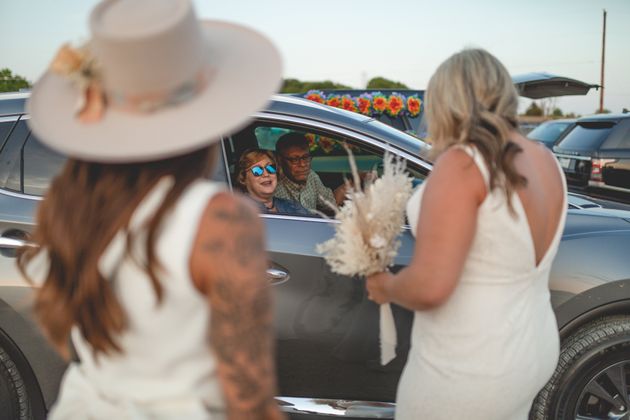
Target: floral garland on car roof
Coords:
[[370, 104]]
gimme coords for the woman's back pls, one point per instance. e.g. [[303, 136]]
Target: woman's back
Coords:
[[543, 196], [167, 337], [499, 315]]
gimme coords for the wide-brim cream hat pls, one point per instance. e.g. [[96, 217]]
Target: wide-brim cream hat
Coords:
[[165, 83]]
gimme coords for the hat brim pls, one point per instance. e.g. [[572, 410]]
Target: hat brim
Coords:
[[245, 68]]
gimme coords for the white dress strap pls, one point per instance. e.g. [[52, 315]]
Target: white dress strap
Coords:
[[479, 161]]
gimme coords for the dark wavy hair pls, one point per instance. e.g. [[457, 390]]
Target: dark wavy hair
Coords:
[[86, 205]]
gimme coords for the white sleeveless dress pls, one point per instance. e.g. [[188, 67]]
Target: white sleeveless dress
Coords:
[[492, 346], [167, 370]]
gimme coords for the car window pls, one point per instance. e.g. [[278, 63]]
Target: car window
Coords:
[[620, 136], [10, 158], [41, 164], [329, 158], [5, 128], [586, 136], [625, 143], [548, 133], [396, 122]]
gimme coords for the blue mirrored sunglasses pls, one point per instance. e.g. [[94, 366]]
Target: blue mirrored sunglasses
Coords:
[[259, 170]]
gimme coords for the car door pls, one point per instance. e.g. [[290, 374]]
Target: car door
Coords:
[[327, 329]]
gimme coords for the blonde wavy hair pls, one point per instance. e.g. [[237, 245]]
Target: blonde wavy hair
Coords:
[[471, 100]]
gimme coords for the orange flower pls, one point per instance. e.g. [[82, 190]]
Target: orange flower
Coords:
[[326, 144], [413, 105], [365, 106], [315, 98], [394, 105], [312, 141], [348, 104], [334, 101], [379, 104]]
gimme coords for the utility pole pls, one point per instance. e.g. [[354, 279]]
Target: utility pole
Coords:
[[601, 92]]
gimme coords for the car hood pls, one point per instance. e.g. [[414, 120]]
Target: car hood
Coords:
[[543, 85], [601, 211], [588, 222]]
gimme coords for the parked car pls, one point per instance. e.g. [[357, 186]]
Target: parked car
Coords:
[[595, 154], [549, 132], [326, 328]]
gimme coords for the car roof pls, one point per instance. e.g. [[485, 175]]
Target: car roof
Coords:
[[283, 104], [13, 102], [559, 120], [604, 117]]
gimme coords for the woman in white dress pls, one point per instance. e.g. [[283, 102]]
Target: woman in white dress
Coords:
[[155, 274], [488, 222]]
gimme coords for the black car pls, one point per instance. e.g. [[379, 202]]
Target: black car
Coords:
[[595, 154], [550, 132], [326, 328]]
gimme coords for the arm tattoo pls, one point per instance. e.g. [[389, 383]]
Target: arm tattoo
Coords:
[[241, 331]]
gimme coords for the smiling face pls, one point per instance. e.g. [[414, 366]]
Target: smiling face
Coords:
[[296, 163], [262, 187]]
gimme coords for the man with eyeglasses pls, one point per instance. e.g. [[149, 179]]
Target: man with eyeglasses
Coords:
[[299, 182]]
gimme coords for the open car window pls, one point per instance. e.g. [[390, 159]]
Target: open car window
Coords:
[[329, 157]]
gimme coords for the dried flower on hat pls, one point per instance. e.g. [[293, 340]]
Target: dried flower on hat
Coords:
[[78, 65]]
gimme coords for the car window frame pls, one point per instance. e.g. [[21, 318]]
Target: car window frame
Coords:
[[17, 118], [302, 124]]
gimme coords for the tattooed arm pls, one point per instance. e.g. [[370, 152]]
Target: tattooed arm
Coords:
[[228, 265]]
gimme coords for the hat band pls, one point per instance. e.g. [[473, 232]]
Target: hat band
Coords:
[[147, 102]]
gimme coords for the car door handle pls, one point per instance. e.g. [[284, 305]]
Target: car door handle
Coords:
[[276, 274], [9, 245], [14, 243]]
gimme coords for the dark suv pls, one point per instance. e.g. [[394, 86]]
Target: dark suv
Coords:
[[595, 154]]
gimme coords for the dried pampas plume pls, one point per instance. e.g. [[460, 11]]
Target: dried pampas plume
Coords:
[[369, 220]]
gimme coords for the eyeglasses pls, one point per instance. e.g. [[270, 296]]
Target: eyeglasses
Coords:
[[298, 159], [259, 170]]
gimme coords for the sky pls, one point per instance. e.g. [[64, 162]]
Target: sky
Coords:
[[352, 41]]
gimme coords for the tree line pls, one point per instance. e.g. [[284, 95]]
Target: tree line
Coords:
[[11, 82]]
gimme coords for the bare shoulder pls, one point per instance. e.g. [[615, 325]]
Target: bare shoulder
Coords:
[[456, 171], [230, 235]]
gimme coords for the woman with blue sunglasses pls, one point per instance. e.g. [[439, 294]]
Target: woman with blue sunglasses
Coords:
[[257, 174]]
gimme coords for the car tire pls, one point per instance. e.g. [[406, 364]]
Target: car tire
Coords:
[[593, 367], [14, 403]]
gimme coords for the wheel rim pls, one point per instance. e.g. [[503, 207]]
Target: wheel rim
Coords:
[[606, 395]]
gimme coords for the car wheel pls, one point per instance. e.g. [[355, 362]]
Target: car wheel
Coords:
[[592, 379], [14, 402]]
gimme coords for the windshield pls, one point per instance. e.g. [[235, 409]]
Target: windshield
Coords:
[[587, 136], [548, 133]]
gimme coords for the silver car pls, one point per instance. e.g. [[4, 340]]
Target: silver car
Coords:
[[326, 328]]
